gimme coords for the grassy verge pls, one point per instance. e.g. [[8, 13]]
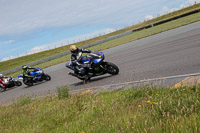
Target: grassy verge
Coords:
[[37, 56], [135, 110], [128, 38]]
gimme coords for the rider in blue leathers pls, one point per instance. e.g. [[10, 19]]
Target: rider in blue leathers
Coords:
[[76, 54]]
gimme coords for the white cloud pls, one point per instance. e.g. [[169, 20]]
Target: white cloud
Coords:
[[7, 42], [189, 3], [8, 58], [148, 17], [166, 9]]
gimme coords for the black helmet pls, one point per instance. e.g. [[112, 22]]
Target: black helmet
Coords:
[[24, 67]]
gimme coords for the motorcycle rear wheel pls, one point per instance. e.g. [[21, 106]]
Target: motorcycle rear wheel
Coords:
[[28, 82]]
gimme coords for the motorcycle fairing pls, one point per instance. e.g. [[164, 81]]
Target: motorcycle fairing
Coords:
[[87, 59], [38, 73]]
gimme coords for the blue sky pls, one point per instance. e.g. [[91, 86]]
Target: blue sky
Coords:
[[29, 26]]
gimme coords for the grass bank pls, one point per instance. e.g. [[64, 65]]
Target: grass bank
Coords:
[[135, 110], [6, 65]]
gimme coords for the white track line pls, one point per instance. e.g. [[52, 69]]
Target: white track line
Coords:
[[140, 81]]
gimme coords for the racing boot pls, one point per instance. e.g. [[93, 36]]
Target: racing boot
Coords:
[[73, 74]]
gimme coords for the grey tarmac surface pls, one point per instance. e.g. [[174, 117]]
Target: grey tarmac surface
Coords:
[[170, 53]]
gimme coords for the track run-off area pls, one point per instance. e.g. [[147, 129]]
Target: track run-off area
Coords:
[[170, 53]]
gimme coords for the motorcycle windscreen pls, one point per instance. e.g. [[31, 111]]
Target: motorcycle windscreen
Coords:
[[100, 59], [101, 55]]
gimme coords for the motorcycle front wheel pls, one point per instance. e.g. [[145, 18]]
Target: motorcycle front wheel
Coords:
[[47, 77], [111, 68], [18, 83]]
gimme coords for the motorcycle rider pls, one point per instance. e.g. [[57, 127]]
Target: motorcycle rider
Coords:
[[2, 84], [76, 54], [26, 71]]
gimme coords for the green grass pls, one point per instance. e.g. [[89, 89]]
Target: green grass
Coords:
[[135, 110], [6, 65]]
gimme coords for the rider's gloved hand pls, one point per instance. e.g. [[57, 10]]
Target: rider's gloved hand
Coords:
[[75, 62]]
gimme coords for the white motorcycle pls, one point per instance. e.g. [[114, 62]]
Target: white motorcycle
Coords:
[[12, 82]]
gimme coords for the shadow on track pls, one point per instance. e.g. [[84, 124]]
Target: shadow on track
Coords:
[[35, 84], [7, 89], [26, 86], [92, 80]]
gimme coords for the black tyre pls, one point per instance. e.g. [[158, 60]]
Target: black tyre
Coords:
[[111, 68], [28, 82], [18, 83], [47, 77]]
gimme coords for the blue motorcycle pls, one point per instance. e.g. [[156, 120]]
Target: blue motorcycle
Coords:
[[34, 76], [94, 66]]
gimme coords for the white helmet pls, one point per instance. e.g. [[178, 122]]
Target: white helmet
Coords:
[[1, 76]]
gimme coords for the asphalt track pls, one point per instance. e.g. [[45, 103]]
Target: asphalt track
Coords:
[[170, 53]]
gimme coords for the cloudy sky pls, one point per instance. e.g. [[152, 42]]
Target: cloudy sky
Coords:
[[29, 26]]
